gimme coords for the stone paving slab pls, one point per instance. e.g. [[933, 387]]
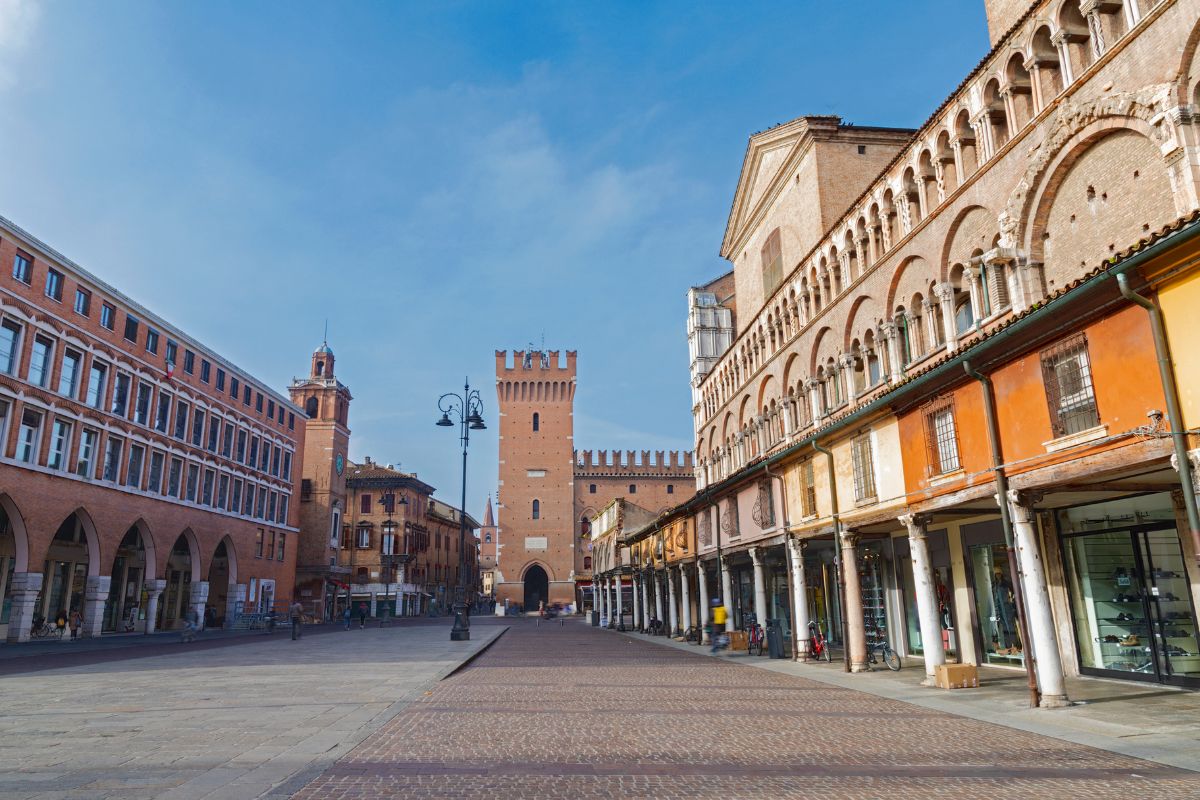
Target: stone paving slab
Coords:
[[239, 720], [576, 712], [1143, 720]]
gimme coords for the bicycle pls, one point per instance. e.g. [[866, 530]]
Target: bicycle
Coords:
[[818, 645], [47, 630], [889, 656], [692, 635], [754, 645]]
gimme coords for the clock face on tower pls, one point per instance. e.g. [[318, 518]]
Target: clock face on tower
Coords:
[[339, 463]]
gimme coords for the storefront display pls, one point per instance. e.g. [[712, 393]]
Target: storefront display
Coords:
[[820, 576], [872, 571], [992, 585], [1130, 598]]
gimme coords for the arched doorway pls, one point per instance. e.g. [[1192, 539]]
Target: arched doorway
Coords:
[[537, 587], [8, 565], [179, 585], [222, 576], [65, 578], [125, 609]]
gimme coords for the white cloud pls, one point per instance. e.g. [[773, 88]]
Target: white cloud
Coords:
[[18, 19]]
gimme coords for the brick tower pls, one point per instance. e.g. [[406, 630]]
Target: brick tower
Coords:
[[536, 497], [326, 402]]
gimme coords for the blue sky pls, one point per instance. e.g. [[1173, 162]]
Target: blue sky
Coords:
[[439, 180]]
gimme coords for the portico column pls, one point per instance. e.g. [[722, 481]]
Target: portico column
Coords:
[[672, 599], [702, 583], [856, 633], [154, 590], [658, 598], [25, 587], [95, 593], [890, 334], [927, 613], [1037, 602], [726, 593], [945, 296], [235, 596], [799, 598], [636, 622], [647, 601], [686, 605], [199, 599], [972, 275], [760, 588]]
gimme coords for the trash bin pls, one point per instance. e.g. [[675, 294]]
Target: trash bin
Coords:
[[595, 618], [774, 639]]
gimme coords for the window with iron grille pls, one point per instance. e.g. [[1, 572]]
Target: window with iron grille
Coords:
[[808, 490], [764, 507], [864, 468], [941, 437], [729, 521], [1067, 374]]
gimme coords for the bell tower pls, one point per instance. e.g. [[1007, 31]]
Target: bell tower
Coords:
[[326, 402], [535, 396]]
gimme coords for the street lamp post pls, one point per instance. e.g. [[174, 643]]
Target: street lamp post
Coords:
[[468, 408]]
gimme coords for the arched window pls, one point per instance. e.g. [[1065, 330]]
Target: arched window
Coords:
[[536, 422], [310, 407], [487, 538], [537, 509]]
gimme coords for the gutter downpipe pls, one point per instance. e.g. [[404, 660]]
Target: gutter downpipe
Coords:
[[1166, 375], [993, 428], [839, 567], [787, 554]]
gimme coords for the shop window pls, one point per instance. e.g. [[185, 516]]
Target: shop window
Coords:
[[1067, 375], [941, 438], [864, 468]]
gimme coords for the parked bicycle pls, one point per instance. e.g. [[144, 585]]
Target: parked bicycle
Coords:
[[755, 639], [655, 628], [692, 635], [43, 629], [818, 645], [889, 656]]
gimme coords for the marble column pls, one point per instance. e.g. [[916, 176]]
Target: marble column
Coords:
[[702, 582], [658, 599], [799, 598], [647, 601], [856, 633], [685, 605], [237, 594], [636, 622], [760, 587], [672, 601], [726, 593], [23, 589], [927, 608], [154, 590], [199, 599], [95, 595], [1037, 602]]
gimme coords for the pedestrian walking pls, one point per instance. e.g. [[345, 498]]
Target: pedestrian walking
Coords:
[[191, 625], [362, 615], [716, 633], [76, 622], [296, 613], [346, 617]]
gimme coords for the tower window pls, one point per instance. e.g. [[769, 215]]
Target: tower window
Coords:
[[320, 368], [537, 509], [536, 422], [633, 488], [591, 488], [310, 407], [670, 488]]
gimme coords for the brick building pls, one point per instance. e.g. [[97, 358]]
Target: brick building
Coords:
[[944, 420], [140, 472], [399, 545], [548, 491]]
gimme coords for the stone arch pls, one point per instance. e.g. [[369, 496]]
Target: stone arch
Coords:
[[791, 368], [143, 529], [912, 272], [825, 347], [16, 525], [968, 231], [1122, 153], [767, 389], [743, 419], [1070, 21], [193, 544], [853, 319], [92, 540]]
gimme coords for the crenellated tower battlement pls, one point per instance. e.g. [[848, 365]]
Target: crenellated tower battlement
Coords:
[[633, 462]]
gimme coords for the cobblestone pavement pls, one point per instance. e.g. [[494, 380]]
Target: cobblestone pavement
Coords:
[[227, 719], [575, 712]]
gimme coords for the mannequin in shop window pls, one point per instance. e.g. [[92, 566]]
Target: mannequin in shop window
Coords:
[[1004, 636]]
